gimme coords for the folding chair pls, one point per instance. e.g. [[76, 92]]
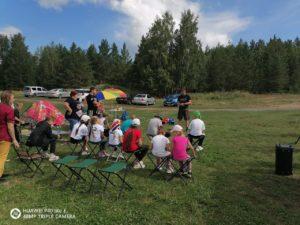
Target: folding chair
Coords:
[[93, 147], [180, 170], [73, 146], [128, 156], [32, 160], [60, 163], [115, 169], [114, 154], [77, 170], [157, 168]]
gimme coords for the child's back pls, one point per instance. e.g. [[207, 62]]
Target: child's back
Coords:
[[160, 143], [96, 133], [79, 131], [180, 145]]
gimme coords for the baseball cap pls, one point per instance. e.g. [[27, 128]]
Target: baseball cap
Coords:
[[197, 114], [85, 118], [136, 122], [177, 128]]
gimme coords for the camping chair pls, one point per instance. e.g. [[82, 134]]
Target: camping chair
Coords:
[[128, 156], [179, 171], [60, 163], [32, 160], [93, 147], [115, 169], [77, 170], [115, 153], [157, 168], [73, 146]]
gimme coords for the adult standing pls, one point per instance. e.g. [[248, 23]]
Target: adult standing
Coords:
[[184, 101], [73, 109], [91, 102], [7, 131]]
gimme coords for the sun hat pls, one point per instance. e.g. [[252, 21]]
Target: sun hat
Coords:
[[136, 122], [85, 118], [177, 128], [197, 114]]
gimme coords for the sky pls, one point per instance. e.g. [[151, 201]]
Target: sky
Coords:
[[88, 21]]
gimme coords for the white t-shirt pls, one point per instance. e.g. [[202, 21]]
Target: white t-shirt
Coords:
[[114, 136], [102, 120], [82, 131], [153, 126], [159, 143], [196, 127], [96, 130]]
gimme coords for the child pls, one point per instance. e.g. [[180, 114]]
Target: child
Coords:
[[196, 131], [42, 137], [160, 146], [96, 135], [180, 144], [115, 135], [80, 133], [18, 121]]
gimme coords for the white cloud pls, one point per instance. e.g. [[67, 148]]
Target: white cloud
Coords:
[[9, 31], [140, 14]]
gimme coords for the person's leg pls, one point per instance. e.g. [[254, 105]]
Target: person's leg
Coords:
[[201, 139], [72, 123], [4, 149], [141, 153], [187, 118], [158, 161], [53, 145]]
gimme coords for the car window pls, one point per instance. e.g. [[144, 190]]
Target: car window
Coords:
[[39, 89], [140, 96], [26, 89], [149, 96], [44, 89], [34, 89]]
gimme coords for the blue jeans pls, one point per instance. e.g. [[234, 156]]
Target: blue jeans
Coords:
[[72, 123]]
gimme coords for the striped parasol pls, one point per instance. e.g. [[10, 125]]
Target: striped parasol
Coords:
[[110, 93]]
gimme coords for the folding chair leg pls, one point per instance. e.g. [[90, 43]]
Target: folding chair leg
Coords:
[[123, 183], [93, 178]]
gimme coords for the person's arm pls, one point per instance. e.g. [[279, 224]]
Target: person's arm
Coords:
[[48, 131], [168, 148], [68, 108], [190, 146], [189, 102], [121, 138], [11, 131]]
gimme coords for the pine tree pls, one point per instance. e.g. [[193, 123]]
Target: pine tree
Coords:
[[4, 49], [19, 65], [92, 55], [103, 65]]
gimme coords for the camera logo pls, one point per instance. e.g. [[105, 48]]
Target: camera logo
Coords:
[[15, 213]]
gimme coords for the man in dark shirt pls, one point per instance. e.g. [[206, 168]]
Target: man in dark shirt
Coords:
[[184, 101], [73, 109], [91, 101], [42, 136]]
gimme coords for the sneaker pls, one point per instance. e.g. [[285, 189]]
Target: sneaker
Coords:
[[102, 154], [199, 148], [121, 156], [45, 155], [53, 157], [85, 153], [170, 170], [139, 165]]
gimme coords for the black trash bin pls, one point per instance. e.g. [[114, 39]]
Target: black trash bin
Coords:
[[284, 159]]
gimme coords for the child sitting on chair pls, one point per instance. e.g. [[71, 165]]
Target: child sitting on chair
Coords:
[[42, 136], [96, 135], [80, 133], [115, 135], [180, 145], [160, 146]]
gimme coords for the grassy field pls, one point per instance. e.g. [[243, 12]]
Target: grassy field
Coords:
[[234, 181]]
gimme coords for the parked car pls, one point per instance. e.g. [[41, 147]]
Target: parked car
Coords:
[[58, 93], [82, 93], [143, 99], [30, 91], [171, 100], [124, 100]]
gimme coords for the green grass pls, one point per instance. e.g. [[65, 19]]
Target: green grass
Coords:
[[234, 181]]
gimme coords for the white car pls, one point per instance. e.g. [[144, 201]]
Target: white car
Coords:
[[58, 93], [143, 99], [30, 91], [82, 93]]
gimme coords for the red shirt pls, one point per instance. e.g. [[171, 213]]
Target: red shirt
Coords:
[[131, 140], [6, 116]]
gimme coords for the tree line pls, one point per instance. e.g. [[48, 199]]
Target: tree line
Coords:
[[167, 60]]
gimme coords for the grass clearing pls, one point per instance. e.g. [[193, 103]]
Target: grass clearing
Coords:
[[234, 181]]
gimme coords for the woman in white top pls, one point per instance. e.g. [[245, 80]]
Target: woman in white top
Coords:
[[160, 146], [80, 133]]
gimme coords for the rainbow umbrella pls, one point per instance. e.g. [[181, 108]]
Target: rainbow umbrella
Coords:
[[110, 93]]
